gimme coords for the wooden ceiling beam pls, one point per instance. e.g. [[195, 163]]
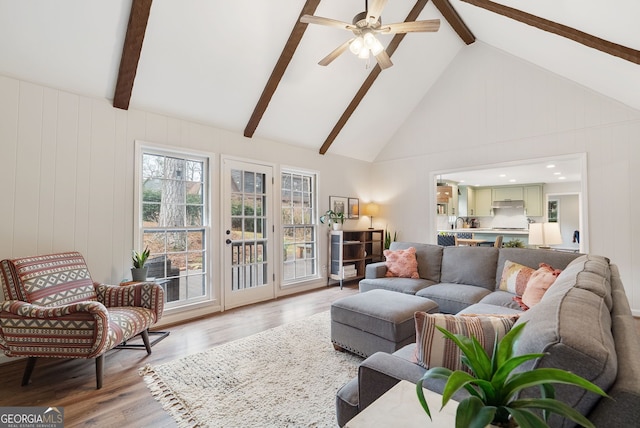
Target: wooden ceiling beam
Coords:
[[136, 29], [594, 42], [456, 22], [393, 45], [281, 66]]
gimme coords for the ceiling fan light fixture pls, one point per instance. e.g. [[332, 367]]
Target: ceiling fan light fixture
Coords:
[[364, 53], [377, 48], [356, 46], [369, 40]]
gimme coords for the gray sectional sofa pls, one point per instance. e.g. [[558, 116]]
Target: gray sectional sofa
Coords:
[[583, 324]]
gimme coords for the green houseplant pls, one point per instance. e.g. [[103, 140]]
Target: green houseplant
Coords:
[[494, 386], [388, 240], [332, 218], [139, 270], [513, 243]]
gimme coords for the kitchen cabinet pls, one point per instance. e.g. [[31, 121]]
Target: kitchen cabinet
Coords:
[[351, 250], [533, 204], [483, 199], [466, 201], [508, 193], [447, 205]]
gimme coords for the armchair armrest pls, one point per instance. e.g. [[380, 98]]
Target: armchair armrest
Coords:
[[147, 295], [71, 331], [375, 270]]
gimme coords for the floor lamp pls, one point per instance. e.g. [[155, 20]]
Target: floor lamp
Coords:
[[371, 210]]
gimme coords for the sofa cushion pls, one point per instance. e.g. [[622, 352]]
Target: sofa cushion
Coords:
[[503, 299], [402, 263], [452, 298], [515, 277], [429, 258], [433, 349], [470, 265], [572, 326], [401, 285]]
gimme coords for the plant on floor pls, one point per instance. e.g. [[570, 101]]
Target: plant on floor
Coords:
[[331, 217], [514, 243], [493, 387], [388, 240], [140, 257]]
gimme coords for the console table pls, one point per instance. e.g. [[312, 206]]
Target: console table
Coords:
[[400, 407]]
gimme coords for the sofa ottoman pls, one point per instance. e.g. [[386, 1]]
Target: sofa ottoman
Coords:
[[378, 320]]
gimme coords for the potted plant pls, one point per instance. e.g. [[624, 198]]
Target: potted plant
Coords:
[[494, 386], [388, 240], [332, 218], [514, 243], [139, 270]]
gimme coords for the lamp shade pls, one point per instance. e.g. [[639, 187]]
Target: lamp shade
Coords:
[[544, 234], [371, 209]]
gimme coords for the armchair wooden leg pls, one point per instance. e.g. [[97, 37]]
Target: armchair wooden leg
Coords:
[[31, 363], [145, 339], [99, 370]]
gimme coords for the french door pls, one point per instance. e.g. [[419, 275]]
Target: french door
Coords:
[[247, 233]]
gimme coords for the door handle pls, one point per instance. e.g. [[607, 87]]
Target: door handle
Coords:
[[228, 241]]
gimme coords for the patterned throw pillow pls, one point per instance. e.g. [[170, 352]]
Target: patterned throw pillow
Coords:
[[515, 277], [539, 283], [402, 263], [434, 350]]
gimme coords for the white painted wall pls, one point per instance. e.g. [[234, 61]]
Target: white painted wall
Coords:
[[67, 175], [490, 107]]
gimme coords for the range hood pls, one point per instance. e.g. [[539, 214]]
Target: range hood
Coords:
[[508, 203]]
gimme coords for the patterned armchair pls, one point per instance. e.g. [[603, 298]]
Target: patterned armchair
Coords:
[[54, 309]]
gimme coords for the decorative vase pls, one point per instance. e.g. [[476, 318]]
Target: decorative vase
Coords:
[[139, 274], [336, 226]]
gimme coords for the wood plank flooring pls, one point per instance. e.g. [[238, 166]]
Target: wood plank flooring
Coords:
[[124, 400]]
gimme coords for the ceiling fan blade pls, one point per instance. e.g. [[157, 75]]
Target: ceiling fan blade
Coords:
[[430, 25], [374, 10], [335, 53], [310, 19], [383, 60]]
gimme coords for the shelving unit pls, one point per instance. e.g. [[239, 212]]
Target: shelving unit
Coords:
[[351, 250]]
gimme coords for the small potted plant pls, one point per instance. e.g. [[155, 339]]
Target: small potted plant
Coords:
[[494, 386], [139, 270], [332, 218]]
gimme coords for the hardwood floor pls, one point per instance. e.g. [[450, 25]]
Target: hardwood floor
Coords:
[[124, 400]]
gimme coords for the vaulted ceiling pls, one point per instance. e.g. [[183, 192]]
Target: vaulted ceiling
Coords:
[[250, 66]]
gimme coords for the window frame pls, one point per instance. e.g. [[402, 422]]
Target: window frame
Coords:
[[314, 225], [142, 148]]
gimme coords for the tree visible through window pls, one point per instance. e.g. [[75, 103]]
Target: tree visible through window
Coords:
[[173, 208], [299, 226]]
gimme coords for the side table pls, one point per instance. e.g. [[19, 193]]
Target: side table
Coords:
[[400, 407]]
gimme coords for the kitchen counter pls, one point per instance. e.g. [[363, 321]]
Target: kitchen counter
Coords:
[[486, 230]]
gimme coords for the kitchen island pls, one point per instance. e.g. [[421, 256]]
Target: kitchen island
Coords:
[[489, 234]]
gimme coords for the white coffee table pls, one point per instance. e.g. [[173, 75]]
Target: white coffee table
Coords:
[[399, 407]]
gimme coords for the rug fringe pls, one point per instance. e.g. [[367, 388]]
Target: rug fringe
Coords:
[[162, 393]]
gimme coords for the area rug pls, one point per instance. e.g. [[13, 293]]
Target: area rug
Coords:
[[283, 377]]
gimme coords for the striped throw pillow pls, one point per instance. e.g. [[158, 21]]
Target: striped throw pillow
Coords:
[[434, 350]]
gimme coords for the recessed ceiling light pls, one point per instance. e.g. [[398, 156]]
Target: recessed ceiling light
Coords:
[[513, 180], [557, 173], [562, 178], [502, 175], [551, 165]]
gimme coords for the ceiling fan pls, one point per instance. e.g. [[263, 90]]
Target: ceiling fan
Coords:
[[364, 27]]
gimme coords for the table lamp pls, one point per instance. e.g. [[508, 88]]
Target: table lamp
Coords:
[[371, 210], [544, 234]]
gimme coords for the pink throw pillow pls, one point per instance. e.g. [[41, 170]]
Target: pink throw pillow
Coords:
[[402, 263], [539, 283]]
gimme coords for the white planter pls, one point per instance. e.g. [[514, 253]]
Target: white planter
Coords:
[[336, 226]]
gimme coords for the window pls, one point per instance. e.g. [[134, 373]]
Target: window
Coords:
[[174, 207], [299, 226]]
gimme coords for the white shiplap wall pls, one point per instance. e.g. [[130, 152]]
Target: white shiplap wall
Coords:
[[67, 175], [490, 107]]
